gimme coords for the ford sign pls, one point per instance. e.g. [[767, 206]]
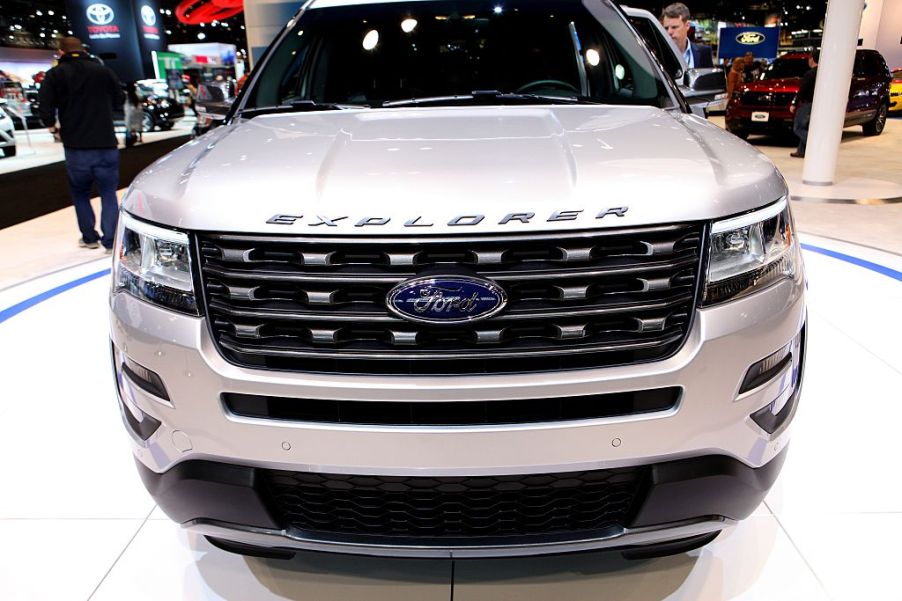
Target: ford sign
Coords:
[[750, 38], [446, 299]]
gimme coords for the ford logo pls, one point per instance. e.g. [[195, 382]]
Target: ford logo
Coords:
[[750, 38], [99, 14], [446, 299]]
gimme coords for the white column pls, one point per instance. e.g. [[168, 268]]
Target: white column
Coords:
[[831, 94]]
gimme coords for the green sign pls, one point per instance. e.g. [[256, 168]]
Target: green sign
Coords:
[[167, 61]]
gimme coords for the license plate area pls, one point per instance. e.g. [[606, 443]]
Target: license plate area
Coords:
[[761, 116]]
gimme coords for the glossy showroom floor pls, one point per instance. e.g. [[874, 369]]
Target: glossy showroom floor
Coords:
[[75, 522]]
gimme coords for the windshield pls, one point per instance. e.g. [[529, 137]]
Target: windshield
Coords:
[[783, 68], [376, 54]]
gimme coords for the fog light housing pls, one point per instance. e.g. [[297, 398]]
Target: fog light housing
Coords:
[[140, 425], [144, 379], [773, 416], [762, 371]]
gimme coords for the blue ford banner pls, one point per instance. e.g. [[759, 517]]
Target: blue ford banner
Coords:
[[760, 41]]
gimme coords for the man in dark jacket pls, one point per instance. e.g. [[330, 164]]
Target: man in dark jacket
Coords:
[[675, 19], [801, 106], [81, 93]]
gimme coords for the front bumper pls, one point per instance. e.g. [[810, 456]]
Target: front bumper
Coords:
[[739, 118], [895, 102], [710, 461]]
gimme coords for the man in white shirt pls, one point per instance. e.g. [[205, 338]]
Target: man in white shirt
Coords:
[[675, 19]]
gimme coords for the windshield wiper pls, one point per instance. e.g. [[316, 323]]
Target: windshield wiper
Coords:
[[489, 97], [297, 106]]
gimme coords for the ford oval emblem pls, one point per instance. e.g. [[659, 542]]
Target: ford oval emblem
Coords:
[[446, 299], [750, 38]]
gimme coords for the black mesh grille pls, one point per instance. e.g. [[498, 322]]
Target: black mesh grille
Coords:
[[423, 507], [609, 297]]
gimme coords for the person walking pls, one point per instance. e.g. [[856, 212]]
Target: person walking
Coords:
[[801, 106], [81, 93], [134, 116]]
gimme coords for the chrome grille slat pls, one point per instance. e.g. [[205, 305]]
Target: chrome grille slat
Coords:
[[510, 316], [578, 299], [499, 276], [421, 356]]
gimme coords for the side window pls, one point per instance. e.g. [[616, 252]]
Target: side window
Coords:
[[659, 46], [874, 64], [860, 68]]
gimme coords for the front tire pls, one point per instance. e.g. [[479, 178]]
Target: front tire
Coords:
[[876, 127], [9, 151], [147, 122]]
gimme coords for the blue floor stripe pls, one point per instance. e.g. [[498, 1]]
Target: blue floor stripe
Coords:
[[27, 304], [40, 298], [881, 269]]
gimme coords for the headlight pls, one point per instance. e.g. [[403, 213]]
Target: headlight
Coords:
[[153, 263], [750, 252]]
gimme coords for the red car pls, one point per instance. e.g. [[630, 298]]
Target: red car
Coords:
[[762, 106]]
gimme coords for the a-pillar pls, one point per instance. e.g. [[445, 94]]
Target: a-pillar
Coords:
[[263, 20], [831, 94]]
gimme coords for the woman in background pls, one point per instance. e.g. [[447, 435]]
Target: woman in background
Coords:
[[735, 77]]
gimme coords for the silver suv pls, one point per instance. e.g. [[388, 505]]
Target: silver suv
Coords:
[[459, 278]]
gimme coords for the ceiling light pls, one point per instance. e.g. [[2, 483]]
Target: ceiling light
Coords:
[[371, 39]]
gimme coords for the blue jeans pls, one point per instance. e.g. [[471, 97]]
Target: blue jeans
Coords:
[[800, 125], [85, 167]]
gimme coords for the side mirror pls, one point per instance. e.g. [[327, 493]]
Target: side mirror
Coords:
[[705, 90], [214, 99], [706, 80]]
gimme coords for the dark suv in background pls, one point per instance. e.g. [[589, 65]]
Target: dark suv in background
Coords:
[[159, 113], [762, 106]]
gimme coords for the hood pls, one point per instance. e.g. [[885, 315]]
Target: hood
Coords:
[[787, 84], [435, 170]]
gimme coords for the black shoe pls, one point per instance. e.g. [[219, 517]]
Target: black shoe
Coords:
[[798, 155]]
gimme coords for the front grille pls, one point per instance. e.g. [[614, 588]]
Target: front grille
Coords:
[[578, 300], [776, 99], [452, 413], [448, 507]]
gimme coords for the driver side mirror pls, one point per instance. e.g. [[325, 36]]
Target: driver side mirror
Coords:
[[706, 80], [214, 99], [705, 89]]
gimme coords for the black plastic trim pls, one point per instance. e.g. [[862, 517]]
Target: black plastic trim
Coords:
[[452, 413], [677, 491], [715, 485], [203, 489]]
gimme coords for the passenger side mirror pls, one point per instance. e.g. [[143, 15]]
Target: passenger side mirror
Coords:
[[214, 99]]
